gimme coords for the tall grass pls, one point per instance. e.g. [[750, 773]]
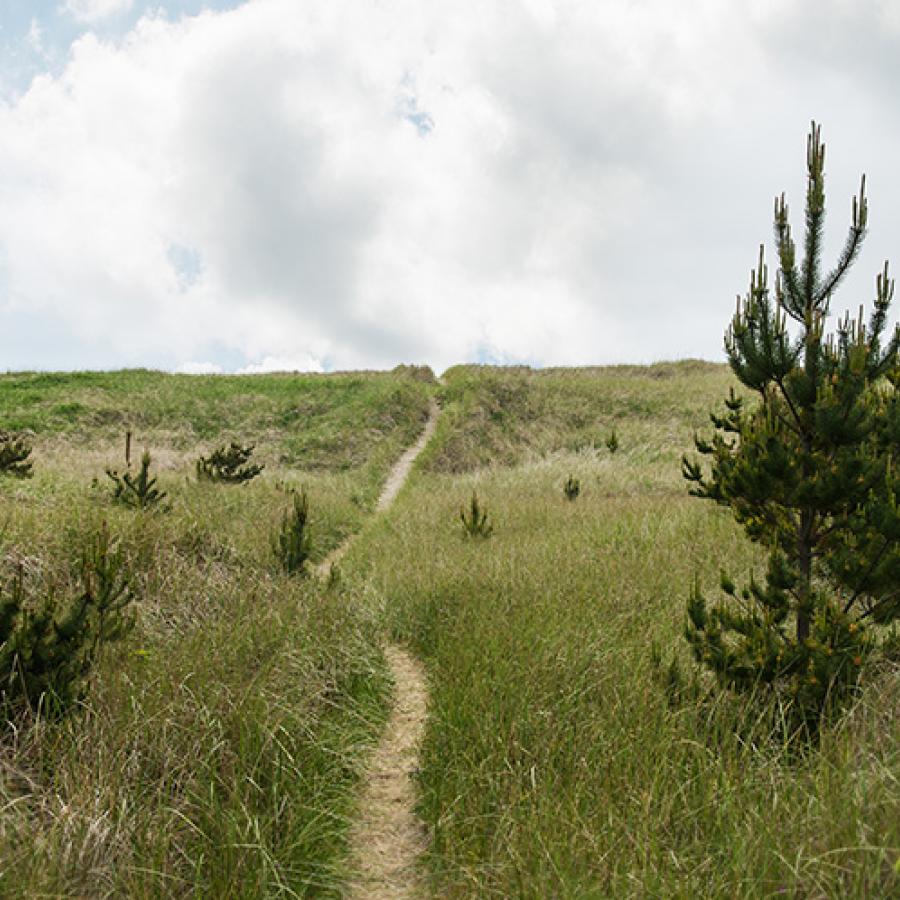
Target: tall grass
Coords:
[[219, 748], [553, 765]]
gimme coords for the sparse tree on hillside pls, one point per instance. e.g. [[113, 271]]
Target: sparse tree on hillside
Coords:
[[807, 471]]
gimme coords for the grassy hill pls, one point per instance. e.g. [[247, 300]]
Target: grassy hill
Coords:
[[221, 744], [553, 765]]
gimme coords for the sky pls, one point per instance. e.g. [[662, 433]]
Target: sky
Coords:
[[311, 185]]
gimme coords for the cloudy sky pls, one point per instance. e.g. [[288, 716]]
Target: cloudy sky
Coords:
[[322, 184]]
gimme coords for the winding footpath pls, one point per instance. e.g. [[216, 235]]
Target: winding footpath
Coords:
[[388, 837]]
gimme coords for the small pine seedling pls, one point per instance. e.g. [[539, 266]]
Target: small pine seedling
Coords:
[[229, 465], [475, 521], [48, 644], [291, 544], [138, 492], [612, 442], [14, 453], [572, 488]]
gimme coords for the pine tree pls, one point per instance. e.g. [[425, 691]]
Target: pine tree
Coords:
[[475, 521], [571, 488], [292, 545], [138, 492], [806, 470], [50, 643], [14, 453], [229, 464]]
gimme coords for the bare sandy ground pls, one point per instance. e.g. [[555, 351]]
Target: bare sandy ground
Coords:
[[388, 837]]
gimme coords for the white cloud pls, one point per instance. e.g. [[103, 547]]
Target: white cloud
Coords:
[[303, 363], [92, 11], [199, 368], [339, 184], [35, 37]]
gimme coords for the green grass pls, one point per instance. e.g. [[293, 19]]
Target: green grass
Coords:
[[336, 434], [552, 764], [221, 745], [504, 416]]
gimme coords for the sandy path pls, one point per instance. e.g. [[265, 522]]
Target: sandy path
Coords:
[[388, 837], [392, 485]]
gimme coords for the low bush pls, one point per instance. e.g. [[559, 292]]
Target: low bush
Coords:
[[291, 545], [48, 643], [228, 464], [14, 453], [137, 492]]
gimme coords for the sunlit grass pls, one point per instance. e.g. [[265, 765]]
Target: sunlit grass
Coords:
[[219, 747], [219, 750], [553, 765]]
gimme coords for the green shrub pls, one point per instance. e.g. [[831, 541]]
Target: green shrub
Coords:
[[49, 644], [137, 492], [572, 488], [475, 520], [228, 464], [291, 544], [14, 453], [612, 442]]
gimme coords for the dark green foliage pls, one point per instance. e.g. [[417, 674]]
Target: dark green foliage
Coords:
[[612, 442], [678, 688], [137, 492], [291, 544], [48, 645], [14, 453], [572, 488], [229, 464], [475, 520], [807, 471]]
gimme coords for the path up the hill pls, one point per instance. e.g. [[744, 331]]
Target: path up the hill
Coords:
[[388, 837]]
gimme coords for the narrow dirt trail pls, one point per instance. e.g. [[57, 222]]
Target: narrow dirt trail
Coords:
[[388, 837], [395, 480]]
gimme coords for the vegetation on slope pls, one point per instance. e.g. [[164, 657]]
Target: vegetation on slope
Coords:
[[504, 416], [219, 746], [553, 764]]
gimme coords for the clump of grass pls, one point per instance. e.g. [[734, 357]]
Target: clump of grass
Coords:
[[475, 519], [137, 492], [291, 544], [229, 464], [14, 453]]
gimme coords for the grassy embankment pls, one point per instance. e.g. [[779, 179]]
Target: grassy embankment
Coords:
[[220, 745], [552, 765]]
